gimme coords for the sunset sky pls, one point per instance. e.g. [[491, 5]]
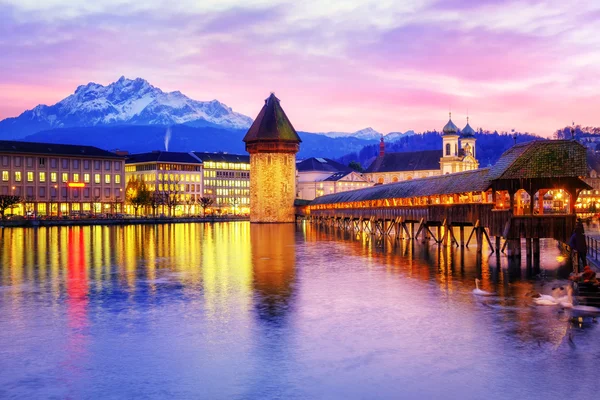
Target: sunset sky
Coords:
[[393, 65]]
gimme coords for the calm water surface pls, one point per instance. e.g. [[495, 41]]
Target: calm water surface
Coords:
[[233, 311]]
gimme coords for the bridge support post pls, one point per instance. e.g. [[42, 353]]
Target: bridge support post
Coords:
[[479, 238], [462, 236], [425, 232], [528, 253], [536, 253], [514, 248]]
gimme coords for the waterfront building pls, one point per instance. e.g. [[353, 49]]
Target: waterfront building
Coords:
[[226, 180], [319, 176], [272, 143], [456, 155], [174, 180], [61, 179]]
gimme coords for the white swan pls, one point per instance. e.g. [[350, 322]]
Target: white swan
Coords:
[[479, 292], [565, 301]]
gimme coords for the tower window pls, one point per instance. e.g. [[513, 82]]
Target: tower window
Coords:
[[448, 147]]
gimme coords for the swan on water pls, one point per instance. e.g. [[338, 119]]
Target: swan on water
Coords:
[[479, 292], [554, 299]]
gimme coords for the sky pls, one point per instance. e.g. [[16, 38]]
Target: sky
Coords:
[[392, 65]]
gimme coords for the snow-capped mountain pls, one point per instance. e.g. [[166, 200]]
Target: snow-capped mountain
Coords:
[[393, 136], [369, 134], [126, 101]]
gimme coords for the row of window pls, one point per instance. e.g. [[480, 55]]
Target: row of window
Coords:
[[65, 163], [172, 187], [232, 201], [231, 174], [224, 165], [42, 176], [224, 182], [228, 192], [175, 178], [62, 193]]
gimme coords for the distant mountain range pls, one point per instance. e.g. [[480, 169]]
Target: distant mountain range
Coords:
[[369, 134], [124, 102]]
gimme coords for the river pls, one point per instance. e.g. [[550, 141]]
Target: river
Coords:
[[240, 311]]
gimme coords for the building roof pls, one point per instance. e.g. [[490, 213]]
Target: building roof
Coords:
[[321, 164], [541, 159], [272, 124], [407, 161], [10, 146], [470, 181], [223, 157], [338, 176], [163, 156]]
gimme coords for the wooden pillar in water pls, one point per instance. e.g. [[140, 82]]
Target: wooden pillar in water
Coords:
[[425, 233], [479, 237], [447, 238], [462, 236], [514, 248], [528, 245]]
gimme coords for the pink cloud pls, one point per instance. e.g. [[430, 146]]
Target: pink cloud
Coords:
[[329, 74]]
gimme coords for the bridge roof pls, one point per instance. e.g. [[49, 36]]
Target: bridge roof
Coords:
[[541, 159], [470, 181]]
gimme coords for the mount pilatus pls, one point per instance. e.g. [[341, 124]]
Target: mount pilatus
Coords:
[[124, 102]]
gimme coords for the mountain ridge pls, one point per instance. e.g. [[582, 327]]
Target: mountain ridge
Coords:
[[125, 101]]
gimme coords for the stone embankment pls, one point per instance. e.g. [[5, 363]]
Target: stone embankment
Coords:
[[115, 221]]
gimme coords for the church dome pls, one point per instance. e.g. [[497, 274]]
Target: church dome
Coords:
[[450, 128], [467, 131]]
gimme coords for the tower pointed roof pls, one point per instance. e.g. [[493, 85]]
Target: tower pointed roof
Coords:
[[271, 124], [450, 128], [467, 131]]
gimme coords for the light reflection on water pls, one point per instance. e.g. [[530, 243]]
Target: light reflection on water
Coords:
[[276, 311]]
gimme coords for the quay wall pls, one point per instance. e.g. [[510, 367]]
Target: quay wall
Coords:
[[109, 221]]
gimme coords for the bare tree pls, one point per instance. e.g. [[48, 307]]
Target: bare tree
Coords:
[[155, 200], [137, 194], [7, 202], [206, 202], [171, 194]]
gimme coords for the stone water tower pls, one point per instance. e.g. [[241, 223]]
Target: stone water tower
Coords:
[[272, 143]]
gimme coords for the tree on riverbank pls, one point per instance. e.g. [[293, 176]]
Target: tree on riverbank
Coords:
[[137, 194], [205, 202], [7, 202]]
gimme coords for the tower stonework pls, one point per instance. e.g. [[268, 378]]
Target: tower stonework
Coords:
[[272, 143]]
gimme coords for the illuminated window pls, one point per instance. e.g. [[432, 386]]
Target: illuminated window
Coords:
[[5, 176], [75, 177], [86, 178], [117, 178], [106, 178], [29, 176], [42, 177], [96, 178], [52, 176], [17, 176], [65, 177]]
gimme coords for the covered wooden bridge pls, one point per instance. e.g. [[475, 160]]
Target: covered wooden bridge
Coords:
[[529, 193]]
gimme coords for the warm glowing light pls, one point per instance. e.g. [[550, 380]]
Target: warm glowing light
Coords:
[[76, 184]]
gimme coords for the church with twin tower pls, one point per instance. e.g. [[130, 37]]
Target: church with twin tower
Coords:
[[272, 143]]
